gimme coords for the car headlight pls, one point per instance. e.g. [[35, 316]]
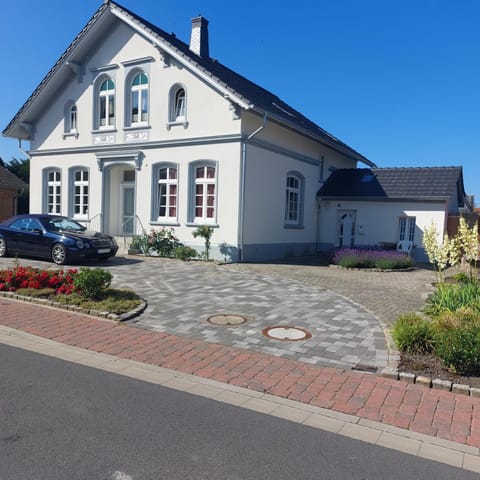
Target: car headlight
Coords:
[[113, 242], [80, 244]]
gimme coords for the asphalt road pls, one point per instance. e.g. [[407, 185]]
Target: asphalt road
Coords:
[[59, 420]]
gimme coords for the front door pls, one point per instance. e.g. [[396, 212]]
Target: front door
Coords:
[[346, 228], [128, 209]]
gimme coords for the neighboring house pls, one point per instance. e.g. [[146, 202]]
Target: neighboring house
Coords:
[[388, 205], [133, 129], [11, 187]]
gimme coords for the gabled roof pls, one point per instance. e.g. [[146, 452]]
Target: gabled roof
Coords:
[[10, 181], [238, 89], [414, 183]]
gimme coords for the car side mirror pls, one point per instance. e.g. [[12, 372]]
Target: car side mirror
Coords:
[[37, 230]]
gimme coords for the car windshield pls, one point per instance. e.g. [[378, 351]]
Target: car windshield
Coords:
[[62, 223]]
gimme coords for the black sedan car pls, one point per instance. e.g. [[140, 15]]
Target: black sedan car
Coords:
[[52, 236]]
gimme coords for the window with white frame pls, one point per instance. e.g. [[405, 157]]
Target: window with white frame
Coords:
[[204, 193], [166, 204], [139, 99], [294, 198], [54, 191], [106, 104], [178, 105], [406, 226], [80, 193]]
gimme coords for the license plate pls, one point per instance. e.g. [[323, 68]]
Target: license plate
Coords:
[[103, 250]]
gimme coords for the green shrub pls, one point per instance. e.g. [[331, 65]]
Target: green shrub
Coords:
[[413, 333], [185, 253], [90, 282], [450, 298], [457, 339], [351, 261], [394, 263]]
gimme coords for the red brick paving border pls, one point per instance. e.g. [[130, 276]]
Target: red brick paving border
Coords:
[[439, 413]]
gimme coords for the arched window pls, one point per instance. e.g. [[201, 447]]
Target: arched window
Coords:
[[53, 189], [139, 99], [178, 106], [203, 206], [106, 104], [70, 123], [79, 191], [165, 207], [294, 200]]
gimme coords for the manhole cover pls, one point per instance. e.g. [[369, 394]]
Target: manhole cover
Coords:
[[226, 319], [291, 334]]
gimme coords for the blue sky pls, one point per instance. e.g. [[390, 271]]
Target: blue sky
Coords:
[[397, 80]]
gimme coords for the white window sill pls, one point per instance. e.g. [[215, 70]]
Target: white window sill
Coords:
[[105, 130], [168, 223], [202, 223], [137, 126], [70, 134], [176, 123]]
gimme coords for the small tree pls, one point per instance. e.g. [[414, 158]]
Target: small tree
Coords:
[[440, 255], [467, 241], [206, 233]]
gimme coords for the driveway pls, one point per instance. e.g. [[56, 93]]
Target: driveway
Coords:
[[342, 310]]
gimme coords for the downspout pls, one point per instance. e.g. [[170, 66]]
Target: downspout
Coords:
[[243, 171], [22, 150]]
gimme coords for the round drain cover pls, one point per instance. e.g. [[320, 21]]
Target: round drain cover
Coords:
[[291, 334], [226, 319]]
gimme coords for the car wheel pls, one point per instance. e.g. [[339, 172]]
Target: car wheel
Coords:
[[3, 247], [59, 254]]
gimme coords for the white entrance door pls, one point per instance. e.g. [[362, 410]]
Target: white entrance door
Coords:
[[346, 228], [128, 208]]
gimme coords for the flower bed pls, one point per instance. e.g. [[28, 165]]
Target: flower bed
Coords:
[[372, 257], [18, 277], [87, 288]]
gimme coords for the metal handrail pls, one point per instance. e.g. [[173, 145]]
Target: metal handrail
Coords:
[[134, 217]]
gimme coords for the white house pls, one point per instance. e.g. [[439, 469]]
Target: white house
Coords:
[[362, 207], [134, 129]]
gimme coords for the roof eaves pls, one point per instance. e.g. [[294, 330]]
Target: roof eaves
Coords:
[[59, 63]]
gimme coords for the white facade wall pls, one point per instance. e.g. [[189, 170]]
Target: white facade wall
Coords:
[[250, 214], [378, 222]]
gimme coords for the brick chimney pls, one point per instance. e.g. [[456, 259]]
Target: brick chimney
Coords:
[[199, 37]]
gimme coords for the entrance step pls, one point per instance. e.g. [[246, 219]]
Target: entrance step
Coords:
[[123, 244]]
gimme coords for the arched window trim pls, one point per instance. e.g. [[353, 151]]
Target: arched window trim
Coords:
[[80, 198], [110, 95], [174, 106], [294, 199], [143, 92], [52, 190], [157, 193]]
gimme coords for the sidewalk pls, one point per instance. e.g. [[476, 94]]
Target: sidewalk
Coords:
[[372, 400]]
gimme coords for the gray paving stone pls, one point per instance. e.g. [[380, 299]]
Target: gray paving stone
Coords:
[[182, 295]]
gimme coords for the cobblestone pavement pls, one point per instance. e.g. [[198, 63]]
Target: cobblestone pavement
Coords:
[[182, 296]]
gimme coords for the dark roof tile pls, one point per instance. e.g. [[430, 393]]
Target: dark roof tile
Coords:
[[394, 183]]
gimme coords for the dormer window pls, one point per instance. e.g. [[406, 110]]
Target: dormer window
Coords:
[[106, 100], [139, 99]]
